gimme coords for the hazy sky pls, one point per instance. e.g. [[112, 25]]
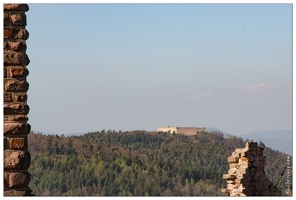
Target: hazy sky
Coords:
[[144, 66]]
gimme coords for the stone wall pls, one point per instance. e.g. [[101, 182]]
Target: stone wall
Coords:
[[190, 130], [16, 155], [184, 130], [246, 176], [170, 129]]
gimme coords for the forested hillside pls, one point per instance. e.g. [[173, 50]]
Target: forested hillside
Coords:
[[136, 163]]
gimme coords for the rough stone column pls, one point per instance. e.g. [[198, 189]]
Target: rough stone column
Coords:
[[16, 155], [246, 176]]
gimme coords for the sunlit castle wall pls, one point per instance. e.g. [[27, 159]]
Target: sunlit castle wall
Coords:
[[181, 130], [190, 130], [167, 129], [16, 156]]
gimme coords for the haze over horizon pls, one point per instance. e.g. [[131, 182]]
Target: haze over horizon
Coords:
[[144, 66]]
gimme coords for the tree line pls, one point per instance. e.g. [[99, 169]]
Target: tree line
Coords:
[[136, 163]]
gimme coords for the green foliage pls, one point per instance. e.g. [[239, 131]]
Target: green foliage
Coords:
[[136, 163]]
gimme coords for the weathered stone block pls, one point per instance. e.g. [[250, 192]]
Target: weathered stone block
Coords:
[[16, 160], [253, 145], [244, 165], [243, 159], [266, 184], [13, 192], [6, 19], [15, 58], [20, 97], [232, 159], [262, 174], [233, 165], [18, 143], [232, 171], [252, 172], [19, 19], [252, 149], [16, 128], [246, 154], [16, 34], [15, 7], [225, 190], [249, 186], [7, 33], [239, 175], [18, 72], [15, 118], [258, 174], [229, 176], [259, 186], [230, 186], [7, 97], [256, 163], [5, 46], [230, 181], [16, 179], [14, 85], [242, 170], [246, 181], [10, 109], [266, 193], [251, 158], [257, 158], [18, 46], [234, 194], [21, 34], [253, 153], [260, 169]]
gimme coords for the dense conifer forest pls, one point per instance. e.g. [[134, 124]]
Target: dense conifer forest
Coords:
[[137, 163]]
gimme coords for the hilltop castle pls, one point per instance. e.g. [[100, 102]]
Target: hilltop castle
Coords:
[[184, 130]]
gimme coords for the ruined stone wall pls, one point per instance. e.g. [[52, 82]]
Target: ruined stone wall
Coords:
[[16, 128], [190, 130], [170, 129], [246, 176], [184, 130]]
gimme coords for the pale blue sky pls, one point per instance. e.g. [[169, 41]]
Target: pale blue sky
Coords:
[[143, 66]]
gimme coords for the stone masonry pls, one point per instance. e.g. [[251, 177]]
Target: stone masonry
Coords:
[[246, 176], [16, 155], [182, 130]]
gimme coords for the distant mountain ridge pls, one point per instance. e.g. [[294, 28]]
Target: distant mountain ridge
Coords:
[[281, 140]]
